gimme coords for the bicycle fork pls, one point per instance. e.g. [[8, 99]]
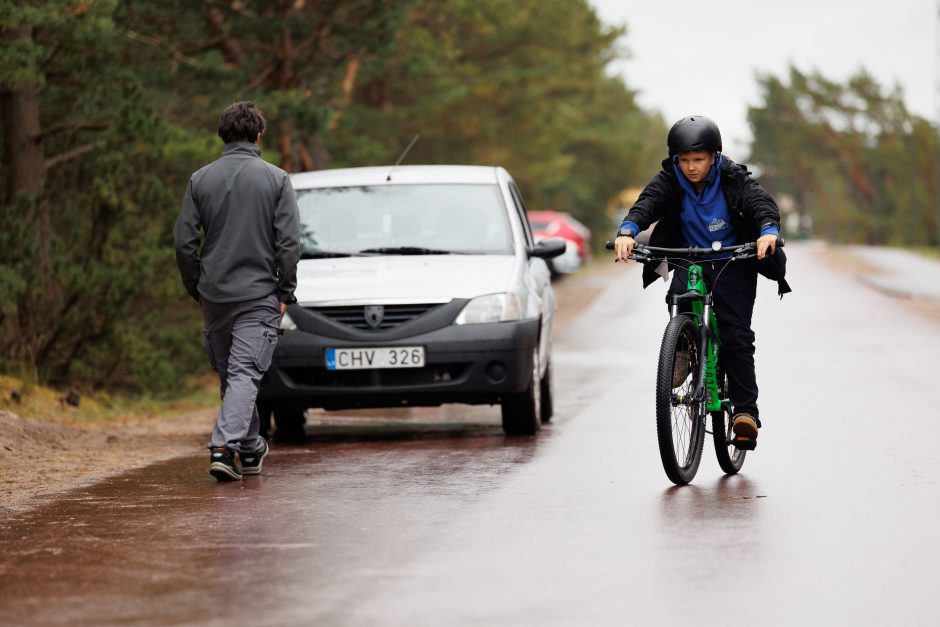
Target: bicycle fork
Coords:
[[706, 359]]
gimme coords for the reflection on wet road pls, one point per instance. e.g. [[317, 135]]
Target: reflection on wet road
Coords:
[[155, 544], [435, 518]]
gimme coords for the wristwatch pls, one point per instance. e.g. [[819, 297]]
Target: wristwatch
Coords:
[[625, 231]]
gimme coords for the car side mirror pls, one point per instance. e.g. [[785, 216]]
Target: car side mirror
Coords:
[[548, 248]]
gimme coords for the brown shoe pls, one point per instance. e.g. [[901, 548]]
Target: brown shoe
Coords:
[[744, 426]]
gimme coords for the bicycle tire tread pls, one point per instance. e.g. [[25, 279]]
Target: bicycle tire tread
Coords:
[[674, 470]]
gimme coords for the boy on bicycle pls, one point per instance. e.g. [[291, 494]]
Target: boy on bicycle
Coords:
[[699, 197]]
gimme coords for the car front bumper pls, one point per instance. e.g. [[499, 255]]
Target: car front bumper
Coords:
[[474, 364]]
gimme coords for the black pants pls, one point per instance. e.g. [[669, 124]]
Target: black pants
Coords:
[[734, 287]]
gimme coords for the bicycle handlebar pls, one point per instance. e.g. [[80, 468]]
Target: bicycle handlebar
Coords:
[[641, 252]]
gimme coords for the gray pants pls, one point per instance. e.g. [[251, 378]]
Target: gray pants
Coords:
[[240, 340]]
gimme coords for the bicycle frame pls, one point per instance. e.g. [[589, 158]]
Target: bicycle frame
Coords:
[[709, 338]]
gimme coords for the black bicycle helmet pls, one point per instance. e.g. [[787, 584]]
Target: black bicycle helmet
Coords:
[[695, 132]]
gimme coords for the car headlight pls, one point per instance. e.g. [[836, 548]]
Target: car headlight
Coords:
[[491, 308], [287, 323]]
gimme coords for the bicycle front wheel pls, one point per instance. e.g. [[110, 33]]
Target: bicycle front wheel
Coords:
[[680, 422]]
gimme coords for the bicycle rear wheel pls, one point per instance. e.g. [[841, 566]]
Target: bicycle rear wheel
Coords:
[[680, 423], [730, 458]]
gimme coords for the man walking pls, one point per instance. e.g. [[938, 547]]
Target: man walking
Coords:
[[243, 276]]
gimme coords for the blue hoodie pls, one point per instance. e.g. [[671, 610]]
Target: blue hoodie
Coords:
[[705, 217]]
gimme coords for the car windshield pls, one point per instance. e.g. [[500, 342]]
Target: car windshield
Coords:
[[403, 220]]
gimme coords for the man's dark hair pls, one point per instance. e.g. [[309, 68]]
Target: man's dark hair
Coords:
[[241, 122]]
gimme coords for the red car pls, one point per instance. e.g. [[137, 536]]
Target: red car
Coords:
[[551, 223]]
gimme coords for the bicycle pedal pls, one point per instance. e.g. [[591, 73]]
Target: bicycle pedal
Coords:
[[744, 444]]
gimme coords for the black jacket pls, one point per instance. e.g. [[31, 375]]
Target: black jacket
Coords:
[[247, 210], [750, 206]]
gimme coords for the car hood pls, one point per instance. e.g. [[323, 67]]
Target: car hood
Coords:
[[390, 279]]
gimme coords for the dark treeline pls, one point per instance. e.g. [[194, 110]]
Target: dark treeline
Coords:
[[107, 106], [858, 165]]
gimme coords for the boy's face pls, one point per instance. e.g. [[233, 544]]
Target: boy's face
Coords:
[[696, 164]]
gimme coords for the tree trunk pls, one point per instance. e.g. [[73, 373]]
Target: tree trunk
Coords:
[[22, 153], [229, 47], [282, 80], [285, 141], [23, 159], [347, 86], [25, 173]]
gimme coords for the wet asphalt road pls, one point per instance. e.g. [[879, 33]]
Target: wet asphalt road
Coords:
[[424, 521]]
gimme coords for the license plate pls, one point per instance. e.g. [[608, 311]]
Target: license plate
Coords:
[[374, 358]]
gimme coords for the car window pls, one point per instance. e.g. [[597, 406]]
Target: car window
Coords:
[[457, 218], [520, 209]]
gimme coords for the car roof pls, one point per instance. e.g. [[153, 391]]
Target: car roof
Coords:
[[403, 174]]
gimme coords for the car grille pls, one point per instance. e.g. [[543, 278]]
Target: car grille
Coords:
[[374, 317], [388, 378]]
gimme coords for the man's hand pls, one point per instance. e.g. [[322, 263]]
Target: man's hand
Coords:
[[283, 308], [624, 247], [764, 243]]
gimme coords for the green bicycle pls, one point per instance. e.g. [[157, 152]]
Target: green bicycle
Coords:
[[690, 381]]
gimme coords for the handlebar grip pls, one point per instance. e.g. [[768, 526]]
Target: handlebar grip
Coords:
[[609, 245]]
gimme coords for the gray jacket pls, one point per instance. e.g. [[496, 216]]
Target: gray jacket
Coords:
[[247, 210]]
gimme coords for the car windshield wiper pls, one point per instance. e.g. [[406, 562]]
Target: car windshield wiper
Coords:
[[329, 254], [408, 250]]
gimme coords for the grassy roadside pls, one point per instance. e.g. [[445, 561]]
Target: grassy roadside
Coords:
[[38, 402], [929, 253]]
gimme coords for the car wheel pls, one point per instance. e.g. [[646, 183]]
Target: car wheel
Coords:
[[547, 388], [522, 412], [289, 425]]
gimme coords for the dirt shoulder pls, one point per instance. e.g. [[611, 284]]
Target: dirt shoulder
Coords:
[[51, 446], [38, 458], [59, 447], [844, 260]]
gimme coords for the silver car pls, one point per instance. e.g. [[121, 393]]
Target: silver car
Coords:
[[417, 286]]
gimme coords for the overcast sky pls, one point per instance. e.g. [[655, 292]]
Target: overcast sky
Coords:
[[701, 57]]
